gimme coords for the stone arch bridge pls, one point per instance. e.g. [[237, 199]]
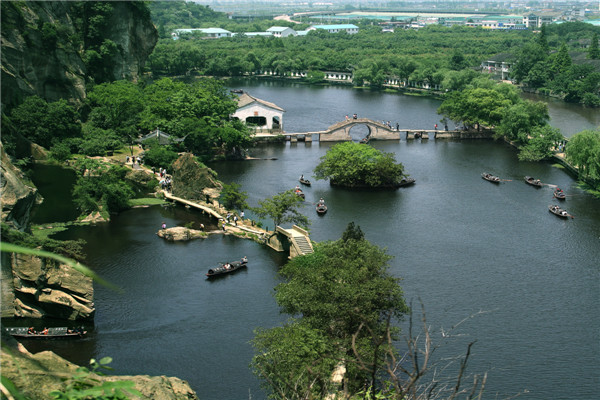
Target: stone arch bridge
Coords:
[[341, 130]]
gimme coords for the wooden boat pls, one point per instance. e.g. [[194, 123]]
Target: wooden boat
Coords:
[[321, 208], [304, 181], [559, 194], [406, 182], [299, 193], [559, 212], [490, 177], [47, 333], [364, 140], [533, 181], [227, 268]]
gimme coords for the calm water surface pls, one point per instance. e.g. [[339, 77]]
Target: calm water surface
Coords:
[[461, 245]]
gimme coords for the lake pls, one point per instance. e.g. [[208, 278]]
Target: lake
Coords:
[[524, 283]]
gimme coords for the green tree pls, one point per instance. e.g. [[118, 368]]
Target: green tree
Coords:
[[479, 106], [315, 76], [561, 60], [282, 208], [233, 198], [583, 151], [457, 61], [343, 297], [294, 361], [520, 118], [593, 51], [542, 39], [117, 106], [525, 59], [354, 165], [46, 123], [102, 188], [541, 144], [60, 152], [160, 156]]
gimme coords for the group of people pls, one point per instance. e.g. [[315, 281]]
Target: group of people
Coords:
[[233, 218], [133, 160], [32, 331], [166, 183], [557, 209]]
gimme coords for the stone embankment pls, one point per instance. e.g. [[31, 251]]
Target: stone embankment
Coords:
[[36, 375]]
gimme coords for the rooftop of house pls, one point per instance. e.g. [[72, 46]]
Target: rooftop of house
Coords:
[[278, 29], [340, 26], [245, 99]]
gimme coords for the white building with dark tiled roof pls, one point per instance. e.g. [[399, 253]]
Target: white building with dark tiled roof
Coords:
[[259, 113]]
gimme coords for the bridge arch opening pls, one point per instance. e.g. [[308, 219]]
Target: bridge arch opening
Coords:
[[359, 131]]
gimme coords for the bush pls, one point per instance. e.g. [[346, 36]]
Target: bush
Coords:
[[60, 152], [160, 157]]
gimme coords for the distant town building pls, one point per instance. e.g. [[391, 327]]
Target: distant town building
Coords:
[[282, 31], [213, 33], [499, 66], [349, 28], [536, 21]]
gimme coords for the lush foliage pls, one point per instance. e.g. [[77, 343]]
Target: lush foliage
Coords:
[[342, 296], [404, 53], [233, 198], [353, 164], [499, 107], [67, 248], [541, 144], [104, 187], [282, 208], [160, 156], [199, 112], [44, 123], [553, 67], [432, 55], [583, 151]]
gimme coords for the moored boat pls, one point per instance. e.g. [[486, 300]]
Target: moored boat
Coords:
[[304, 181], [556, 210], [533, 181], [227, 268], [406, 182], [490, 177], [321, 207], [46, 333], [559, 194], [298, 192]]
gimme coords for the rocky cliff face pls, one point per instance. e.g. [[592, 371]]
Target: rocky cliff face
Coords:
[[45, 49], [31, 286], [36, 375], [45, 288], [18, 195], [192, 180]]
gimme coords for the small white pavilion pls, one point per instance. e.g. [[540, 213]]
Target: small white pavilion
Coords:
[[259, 113]]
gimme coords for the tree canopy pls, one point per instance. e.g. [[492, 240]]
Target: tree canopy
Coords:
[[282, 208], [356, 165], [342, 297], [583, 150]]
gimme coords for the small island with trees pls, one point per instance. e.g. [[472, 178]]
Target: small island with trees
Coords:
[[354, 165]]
